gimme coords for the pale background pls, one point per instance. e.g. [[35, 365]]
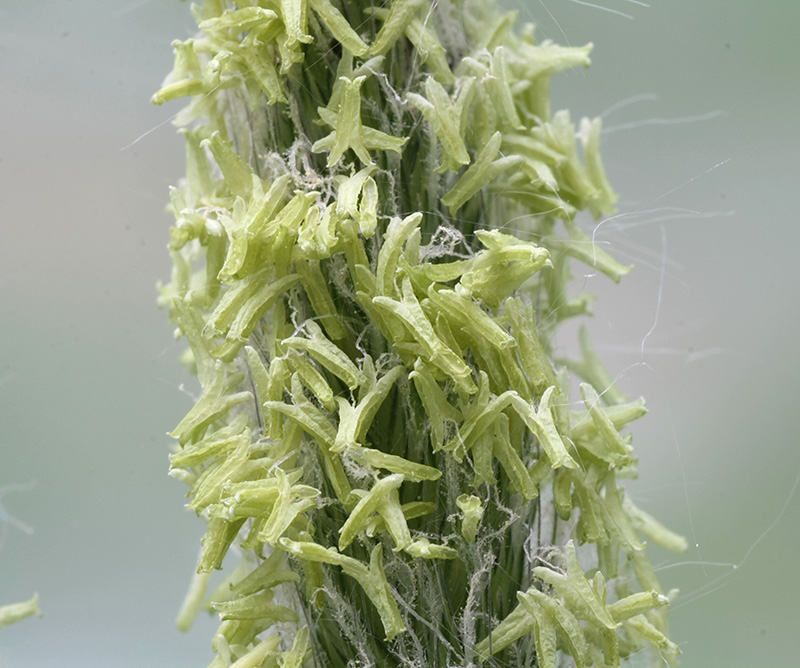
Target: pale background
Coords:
[[89, 382]]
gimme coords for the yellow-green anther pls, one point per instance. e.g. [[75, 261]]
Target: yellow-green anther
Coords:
[[394, 520], [265, 207], [476, 424], [591, 523], [481, 452], [234, 299], [472, 511], [590, 137], [484, 170], [410, 510], [562, 493], [544, 630], [239, 20], [618, 450], [401, 13], [278, 376], [584, 590], [309, 418], [349, 132], [413, 471], [517, 380], [620, 415], [424, 549], [191, 325], [540, 422], [645, 573], [368, 209], [292, 501], [186, 78], [431, 52], [353, 246], [326, 232], [339, 27], [545, 637], [311, 378], [618, 522], [365, 507], [496, 273], [548, 58], [258, 374], [423, 275], [241, 632], [511, 248], [354, 421], [258, 60], [251, 312], [306, 247], [377, 589], [236, 173], [509, 459], [293, 658], [396, 235], [571, 630], [290, 217], [344, 71], [444, 118], [372, 579], [643, 627], [214, 445], [254, 606], [600, 587], [350, 188], [295, 20], [432, 348], [500, 91], [14, 612], [213, 404], [464, 311], [198, 175], [328, 354], [314, 552], [654, 530], [218, 538], [257, 292], [501, 30], [593, 372], [208, 488], [259, 654], [590, 252], [434, 401], [518, 623], [262, 488], [636, 604], [289, 52], [192, 602], [268, 574], [479, 402], [526, 618]]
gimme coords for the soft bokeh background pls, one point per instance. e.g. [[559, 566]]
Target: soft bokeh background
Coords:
[[700, 102]]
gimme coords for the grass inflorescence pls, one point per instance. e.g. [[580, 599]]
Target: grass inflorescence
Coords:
[[371, 256]]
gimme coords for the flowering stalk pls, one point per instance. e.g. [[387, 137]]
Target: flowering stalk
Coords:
[[371, 255]]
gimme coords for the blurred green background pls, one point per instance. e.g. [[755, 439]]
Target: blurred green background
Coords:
[[700, 105]]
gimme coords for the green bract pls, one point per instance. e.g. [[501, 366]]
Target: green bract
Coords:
[[371, 254]]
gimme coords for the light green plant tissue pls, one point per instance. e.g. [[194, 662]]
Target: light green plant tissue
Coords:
[[371, 255]]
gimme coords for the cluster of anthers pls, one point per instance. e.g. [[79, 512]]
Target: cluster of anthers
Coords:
[[369, 267]]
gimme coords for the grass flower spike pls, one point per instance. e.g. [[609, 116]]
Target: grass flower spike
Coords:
[[372, 253]]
